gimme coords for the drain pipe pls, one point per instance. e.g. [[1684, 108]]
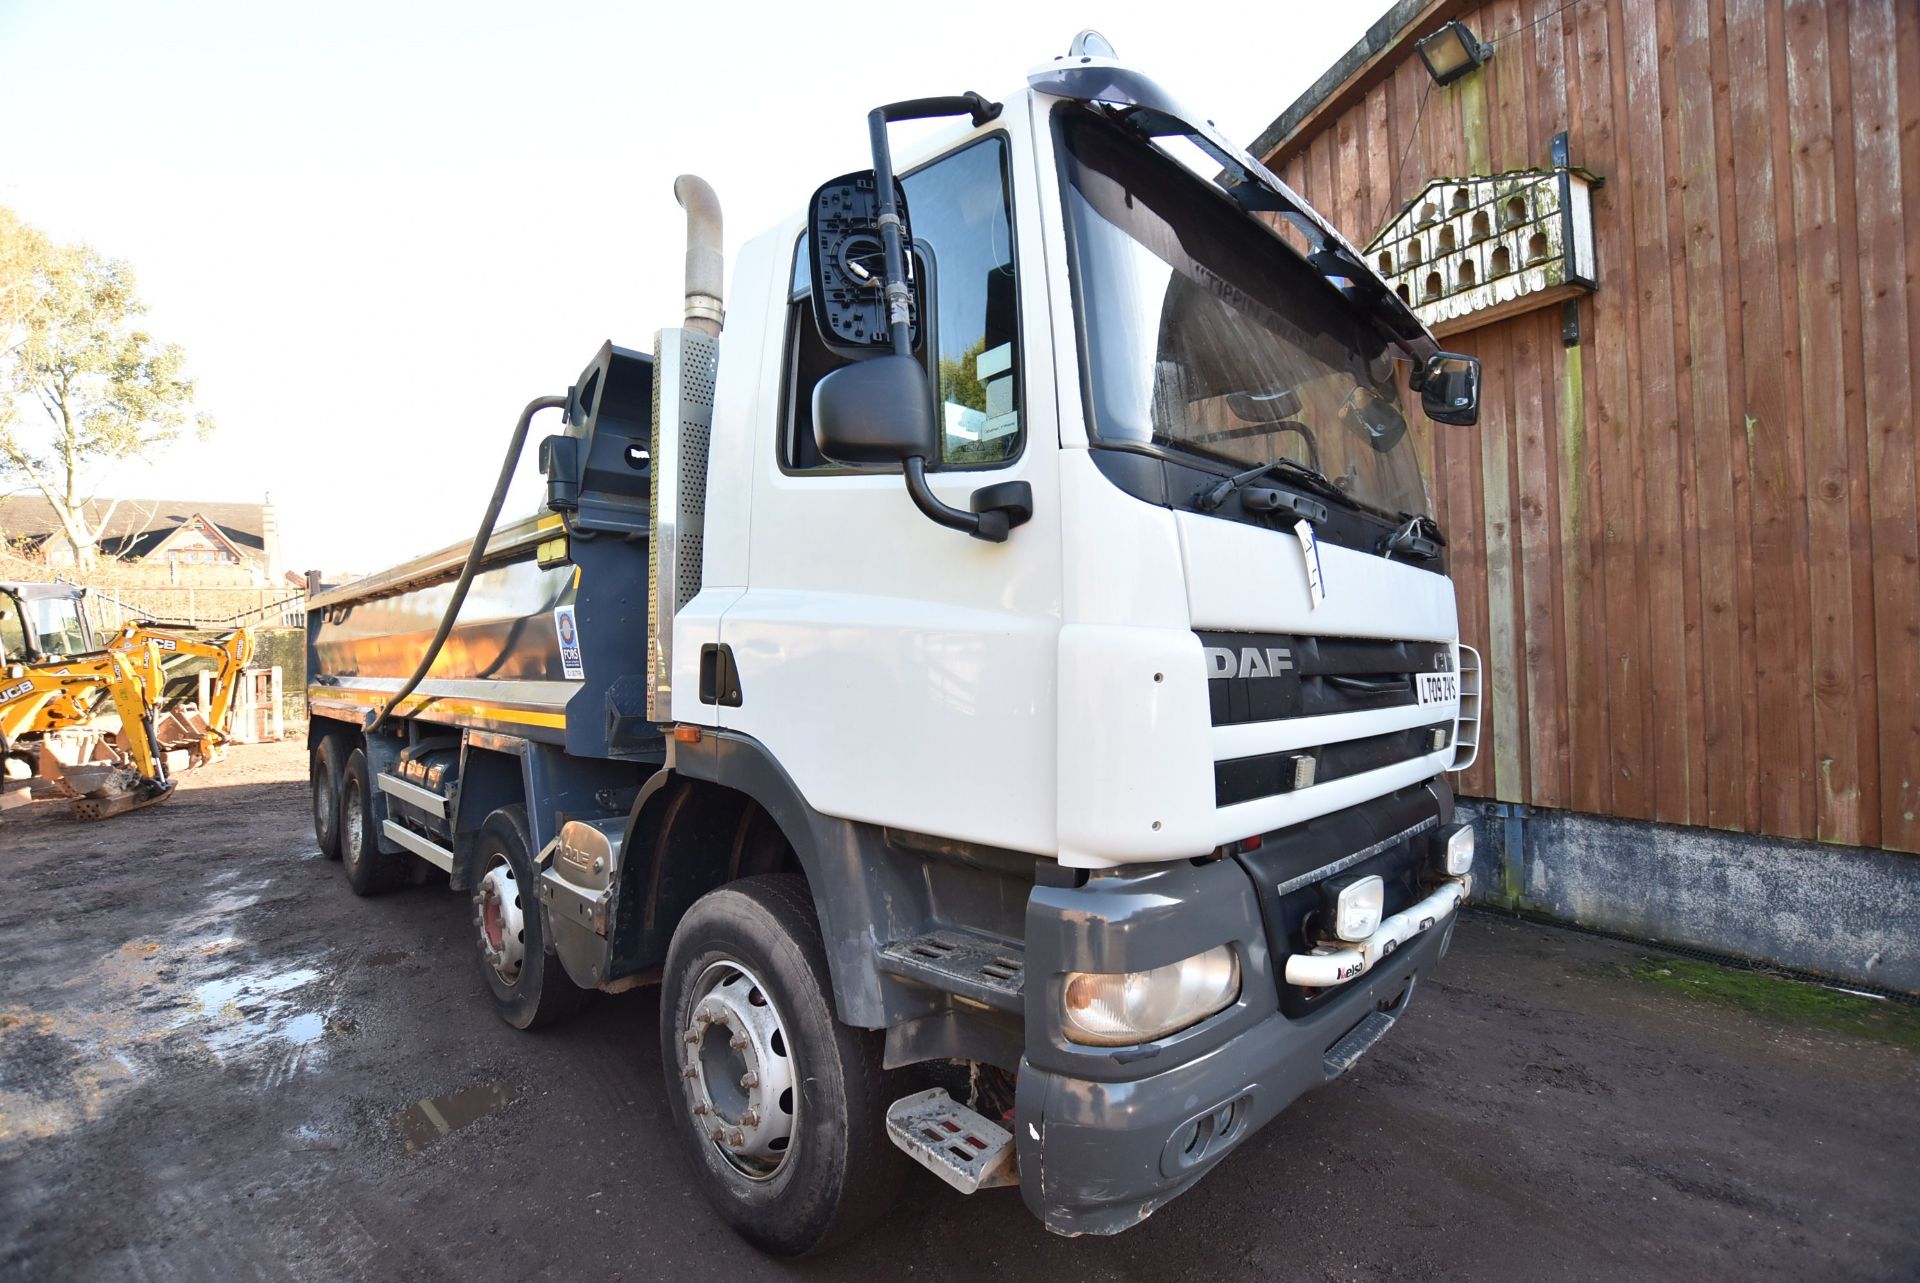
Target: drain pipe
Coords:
[[706, 263]]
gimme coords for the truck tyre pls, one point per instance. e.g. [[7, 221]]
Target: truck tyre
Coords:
[[326, 796], [529, 986], [369, 869], [780, 1108]]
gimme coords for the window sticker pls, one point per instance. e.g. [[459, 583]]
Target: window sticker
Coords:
[[563, 624]]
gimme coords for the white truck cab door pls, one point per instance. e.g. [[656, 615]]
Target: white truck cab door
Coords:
[[902, 673]]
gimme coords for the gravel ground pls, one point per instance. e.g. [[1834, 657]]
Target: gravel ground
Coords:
[[213, 1060]]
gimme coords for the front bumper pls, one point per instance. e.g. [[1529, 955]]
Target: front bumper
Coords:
[[1106, 1135], [1099, 1157]]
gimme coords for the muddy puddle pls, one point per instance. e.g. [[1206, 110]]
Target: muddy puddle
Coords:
[[437, 1117], [154, 1002]]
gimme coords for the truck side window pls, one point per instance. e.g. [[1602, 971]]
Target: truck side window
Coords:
[[961, 210]]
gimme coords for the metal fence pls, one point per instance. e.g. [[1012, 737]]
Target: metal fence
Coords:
[[197, 607]]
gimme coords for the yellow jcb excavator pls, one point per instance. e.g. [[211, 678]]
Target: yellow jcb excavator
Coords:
[[150, 647], [57, 687]]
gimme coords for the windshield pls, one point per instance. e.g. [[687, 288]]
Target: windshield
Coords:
[[56, 621], [1205, 333]]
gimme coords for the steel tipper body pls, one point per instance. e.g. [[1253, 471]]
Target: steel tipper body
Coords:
[[1020, 643]]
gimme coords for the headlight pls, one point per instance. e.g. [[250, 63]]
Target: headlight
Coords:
[[1459, 851], [1113, 1010], [1354, 905]]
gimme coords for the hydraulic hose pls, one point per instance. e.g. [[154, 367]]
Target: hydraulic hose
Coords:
[[475, 554]]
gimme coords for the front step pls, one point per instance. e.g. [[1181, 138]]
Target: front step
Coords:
[[973, 964], [953, 1142]]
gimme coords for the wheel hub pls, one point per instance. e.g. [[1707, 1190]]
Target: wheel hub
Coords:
[[739, 1071], [503, 924]]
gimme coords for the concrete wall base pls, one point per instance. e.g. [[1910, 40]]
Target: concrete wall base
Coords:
[[1848, 913]]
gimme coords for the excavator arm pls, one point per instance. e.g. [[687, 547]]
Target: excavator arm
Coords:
[[151, 645], [38, 699]]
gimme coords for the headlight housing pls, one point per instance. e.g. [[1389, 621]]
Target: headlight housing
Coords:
[[1354, 906], [1117, 1009], [1458, 851]]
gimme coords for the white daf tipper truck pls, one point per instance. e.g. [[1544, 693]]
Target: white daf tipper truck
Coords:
[[998, 680]]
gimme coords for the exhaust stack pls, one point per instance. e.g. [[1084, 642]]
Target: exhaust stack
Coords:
[[705, 261]]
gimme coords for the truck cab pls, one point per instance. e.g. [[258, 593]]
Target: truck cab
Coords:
[[1180, 711], [999, 681]]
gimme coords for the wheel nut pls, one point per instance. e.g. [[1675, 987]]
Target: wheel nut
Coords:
[[738, 1043], [718, 1136], [751, 1118], [739, 1138], [691, 1040], [690, 1073], [749, 1080], [700, 1110]]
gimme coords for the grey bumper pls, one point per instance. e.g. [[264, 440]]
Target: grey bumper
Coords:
[[1105, 1137]]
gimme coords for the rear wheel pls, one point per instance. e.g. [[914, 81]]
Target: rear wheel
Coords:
[[780, 1107], [529, 986], [369, 869], [326, 796]]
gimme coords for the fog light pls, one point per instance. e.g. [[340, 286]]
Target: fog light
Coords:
[[1355, 906], [1118, 1009], [1459, 851]]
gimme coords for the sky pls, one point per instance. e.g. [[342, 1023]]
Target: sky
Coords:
[[379, 229]]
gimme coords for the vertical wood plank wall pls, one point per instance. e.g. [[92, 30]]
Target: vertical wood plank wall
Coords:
[[1687, 548]]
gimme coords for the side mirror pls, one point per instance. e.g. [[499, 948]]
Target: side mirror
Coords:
[[874, 412], [1450, 388], [880, 411], [848, 263]]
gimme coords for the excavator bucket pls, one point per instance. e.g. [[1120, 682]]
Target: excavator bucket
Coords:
[[121, 791]]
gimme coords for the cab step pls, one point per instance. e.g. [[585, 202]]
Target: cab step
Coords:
[[953, 1142], [970, 963]]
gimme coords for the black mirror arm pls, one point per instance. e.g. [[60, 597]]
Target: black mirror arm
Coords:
[[970, 104], [992, 524]]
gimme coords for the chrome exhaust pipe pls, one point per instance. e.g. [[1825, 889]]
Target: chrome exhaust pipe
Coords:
[[706, 262]]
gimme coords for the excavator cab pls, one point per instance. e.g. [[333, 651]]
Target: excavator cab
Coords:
[[40, 622]]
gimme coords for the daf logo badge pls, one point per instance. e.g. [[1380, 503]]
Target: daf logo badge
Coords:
[[1249, 661]]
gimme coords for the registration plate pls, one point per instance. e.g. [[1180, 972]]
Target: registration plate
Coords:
[[1438, 688]]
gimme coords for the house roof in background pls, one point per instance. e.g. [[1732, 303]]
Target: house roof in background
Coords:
[[138, 525]]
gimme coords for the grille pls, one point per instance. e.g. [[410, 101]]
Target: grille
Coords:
[[1263, 677], [1242, 779]]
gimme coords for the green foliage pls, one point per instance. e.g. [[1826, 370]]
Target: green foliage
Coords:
[[1792, 1001], [83, 385], [960, 385], [960, 379]]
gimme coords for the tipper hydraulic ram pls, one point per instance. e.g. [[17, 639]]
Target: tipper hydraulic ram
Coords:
[[1000, 688]]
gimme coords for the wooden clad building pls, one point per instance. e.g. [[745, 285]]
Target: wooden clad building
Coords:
[[1684, 532]]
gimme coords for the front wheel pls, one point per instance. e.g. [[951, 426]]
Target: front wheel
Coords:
[[529, 986], [779, 1107]]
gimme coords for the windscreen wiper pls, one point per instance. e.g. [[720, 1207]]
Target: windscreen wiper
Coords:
[[1268, 500]]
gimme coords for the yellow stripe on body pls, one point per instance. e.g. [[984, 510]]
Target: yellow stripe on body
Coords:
[[415, 705]]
